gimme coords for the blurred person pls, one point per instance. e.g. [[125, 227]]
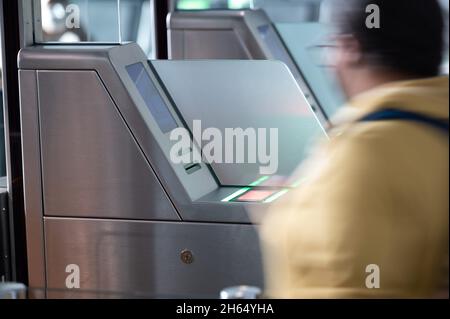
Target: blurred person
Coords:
[[371, 217]]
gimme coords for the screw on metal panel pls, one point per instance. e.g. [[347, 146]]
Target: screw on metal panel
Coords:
[[186, 256]]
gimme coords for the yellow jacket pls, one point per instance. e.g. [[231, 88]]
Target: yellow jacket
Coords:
[[375, 193]]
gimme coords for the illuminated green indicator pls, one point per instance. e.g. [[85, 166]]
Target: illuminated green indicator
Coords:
[[298, 183], [193, 4], [239, 4], [236, 194], [276, 196], [259, 181]]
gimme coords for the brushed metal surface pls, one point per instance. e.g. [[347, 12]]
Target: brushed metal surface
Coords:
[[214, 34], [195, 185], [31, 158], [137, 258], [224, 44], [92, 167], [90, 162]]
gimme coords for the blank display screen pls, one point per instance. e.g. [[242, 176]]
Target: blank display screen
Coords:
[[151, 96]]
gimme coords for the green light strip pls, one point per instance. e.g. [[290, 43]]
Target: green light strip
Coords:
[[193, 5], [235, 194], [299, 182], [259, 181], [276, 196], [238, 4]]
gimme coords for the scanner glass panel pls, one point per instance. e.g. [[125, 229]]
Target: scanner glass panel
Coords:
[[271, 39], [306, 43], [243, 96]]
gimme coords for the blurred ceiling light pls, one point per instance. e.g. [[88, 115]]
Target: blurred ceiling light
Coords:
[[69, 37], [58, 11], [50, 22]]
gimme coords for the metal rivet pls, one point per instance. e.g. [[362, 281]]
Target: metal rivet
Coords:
[[186, 256]]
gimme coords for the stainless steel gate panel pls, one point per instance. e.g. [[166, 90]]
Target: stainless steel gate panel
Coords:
[[143, 259], [219, 34], [91, 165], [32, 180], [100, 188]]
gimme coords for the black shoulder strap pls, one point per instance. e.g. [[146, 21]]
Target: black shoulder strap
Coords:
[[396, 114]]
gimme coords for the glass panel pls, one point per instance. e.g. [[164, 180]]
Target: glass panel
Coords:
[[98, 21], [80, 21], [278, 10], [289, 11], [307, 43]]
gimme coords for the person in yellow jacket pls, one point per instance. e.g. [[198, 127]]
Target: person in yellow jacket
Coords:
[[371, 217]]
